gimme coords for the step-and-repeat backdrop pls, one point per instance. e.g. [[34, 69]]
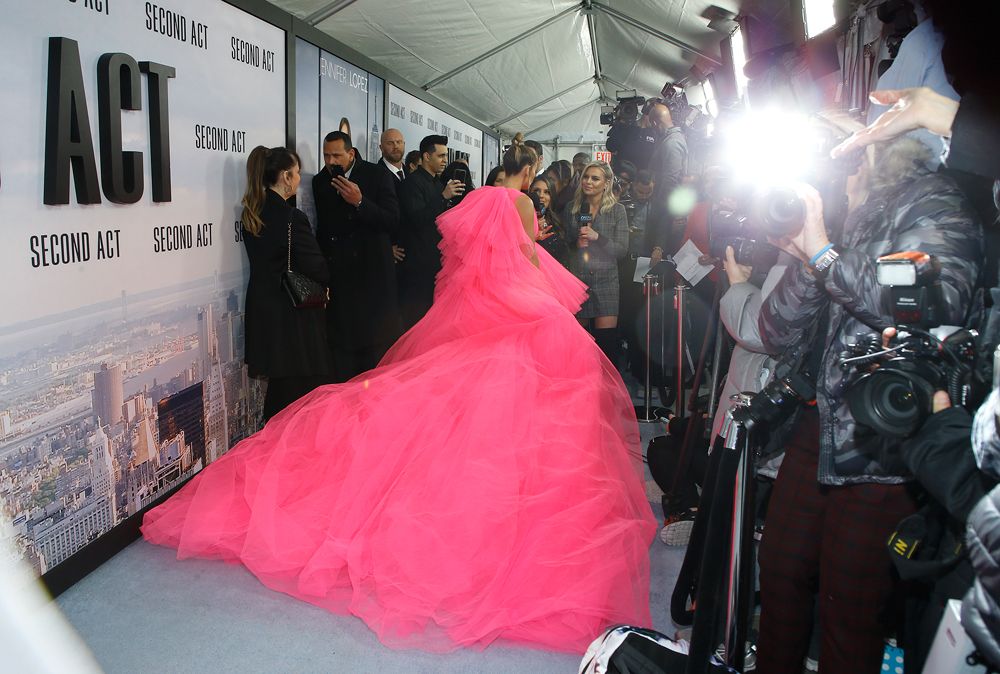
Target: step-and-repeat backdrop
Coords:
[[333, 95], [416, 119], [122, 164]]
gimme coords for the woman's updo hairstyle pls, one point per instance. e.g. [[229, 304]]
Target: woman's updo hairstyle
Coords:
[[517, 156]]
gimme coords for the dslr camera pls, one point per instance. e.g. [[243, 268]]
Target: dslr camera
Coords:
[[895, 398], [728, 227], [771, 152], [781, 212]]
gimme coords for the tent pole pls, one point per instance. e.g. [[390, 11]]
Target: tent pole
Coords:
[[499, 48], [635, 23], [541, 103], [329, 10], [564, 116]]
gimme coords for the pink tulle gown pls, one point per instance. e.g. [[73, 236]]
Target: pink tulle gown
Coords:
[[484, 482]]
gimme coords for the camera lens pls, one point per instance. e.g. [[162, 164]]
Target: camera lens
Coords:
[[782, 212], [893, 400], [890, 402]]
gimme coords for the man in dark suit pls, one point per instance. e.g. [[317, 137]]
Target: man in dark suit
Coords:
[[357, 213], [393, 147], [423, 197]]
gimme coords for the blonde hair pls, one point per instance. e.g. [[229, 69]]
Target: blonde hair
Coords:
[[517, 156], [263, 168], [608, 199]]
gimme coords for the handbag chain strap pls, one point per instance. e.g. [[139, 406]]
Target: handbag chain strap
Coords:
[[289, 245]]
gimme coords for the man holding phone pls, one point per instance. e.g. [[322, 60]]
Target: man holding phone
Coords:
[[357, 214], [423, 197]]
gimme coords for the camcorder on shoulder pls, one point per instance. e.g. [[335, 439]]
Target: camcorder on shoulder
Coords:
[[626, 112], [894, 389]]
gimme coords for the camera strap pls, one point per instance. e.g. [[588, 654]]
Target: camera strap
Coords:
[[800, 362]]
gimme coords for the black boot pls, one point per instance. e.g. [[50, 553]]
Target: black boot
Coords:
[[610, 343]]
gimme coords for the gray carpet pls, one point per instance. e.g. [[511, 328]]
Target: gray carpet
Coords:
[[144, 611]]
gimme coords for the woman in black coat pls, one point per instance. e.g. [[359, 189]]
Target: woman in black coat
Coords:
[[284, 344]]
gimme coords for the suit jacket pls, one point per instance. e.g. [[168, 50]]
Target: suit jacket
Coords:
[[282, 341], [357, 243], [396, 182], [422, 203]]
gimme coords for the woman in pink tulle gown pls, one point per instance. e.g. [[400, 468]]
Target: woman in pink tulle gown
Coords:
[[484, 482]]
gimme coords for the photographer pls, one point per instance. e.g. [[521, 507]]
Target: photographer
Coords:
[[840, 492], [750, 369], [941, 455], [631, 137]]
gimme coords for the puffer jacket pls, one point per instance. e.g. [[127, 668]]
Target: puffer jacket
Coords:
[[908, 209], [981, 606]]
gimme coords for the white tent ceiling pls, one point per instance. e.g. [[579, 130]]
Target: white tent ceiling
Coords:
[[538, 66]]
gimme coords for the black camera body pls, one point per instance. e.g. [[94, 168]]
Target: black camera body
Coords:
[[775, 403], [626, 112], [779, 211], [896, 397], [727, 227]]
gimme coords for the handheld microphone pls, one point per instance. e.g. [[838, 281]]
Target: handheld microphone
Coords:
[[583, 219]]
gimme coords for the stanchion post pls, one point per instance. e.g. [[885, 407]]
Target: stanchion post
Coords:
[[645, 413], [679, 296]]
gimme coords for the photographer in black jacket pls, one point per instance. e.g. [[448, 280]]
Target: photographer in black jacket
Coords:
[[941, 454]]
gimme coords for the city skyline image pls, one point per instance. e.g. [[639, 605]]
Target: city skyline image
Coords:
[[106, 411]]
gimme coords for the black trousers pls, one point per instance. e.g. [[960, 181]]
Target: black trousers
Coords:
[[283, 391]]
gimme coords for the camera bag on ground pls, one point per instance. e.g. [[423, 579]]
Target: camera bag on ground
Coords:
[[634, 650], [664, 454]]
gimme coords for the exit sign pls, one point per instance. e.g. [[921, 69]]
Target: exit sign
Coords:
[[602, 155]]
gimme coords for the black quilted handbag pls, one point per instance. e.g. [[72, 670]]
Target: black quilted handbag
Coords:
[[302, 290]]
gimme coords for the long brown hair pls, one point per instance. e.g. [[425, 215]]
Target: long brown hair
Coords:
[[561, 172], [263, 168], [517, 156]]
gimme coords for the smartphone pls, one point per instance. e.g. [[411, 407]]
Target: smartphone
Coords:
[[335, 170], [460, 175]]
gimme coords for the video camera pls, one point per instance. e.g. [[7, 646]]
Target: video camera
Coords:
[[895, 398], [682, 113], [626, 113]]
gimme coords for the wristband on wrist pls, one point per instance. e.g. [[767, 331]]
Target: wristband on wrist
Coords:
[[826, 258], [815, 258]]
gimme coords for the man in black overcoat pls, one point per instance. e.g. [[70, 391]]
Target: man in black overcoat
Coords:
[[357, 213], [423, 197], [393, 147]]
